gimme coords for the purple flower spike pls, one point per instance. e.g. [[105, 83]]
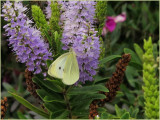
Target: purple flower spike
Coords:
[[78, 33], [26, 41]]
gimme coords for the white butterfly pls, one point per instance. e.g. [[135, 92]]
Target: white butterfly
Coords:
[[66, 68]]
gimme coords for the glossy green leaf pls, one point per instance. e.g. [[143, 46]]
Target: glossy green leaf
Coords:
[[81, 113], [50, 85], [20, 115], [62, 114], [134, 57], [136, 65], [119, 112], [42, 92], [29, 105], [131, 73], [139, 51], [82, 106], [133, 112], [8, 87], [49, 62], [20, 86], [45, 31], [54, 106], [56, 81], [53, 99], [104, 115], [126, 115], [82, 98], [87, 89], [109, 58], [57, 41], [101, 110], [99, 79], [155, 51]]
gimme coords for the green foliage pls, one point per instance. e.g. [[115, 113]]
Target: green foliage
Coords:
[[39, 18], [29, 105], [55, 17], [51, 31], [139, 51], [20, 115], [101, 12], [63, 102], [150, 86], [109, 58], [55, 29], [135, 59], [67, 102]]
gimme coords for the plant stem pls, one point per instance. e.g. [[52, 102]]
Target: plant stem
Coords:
[[67, 103]]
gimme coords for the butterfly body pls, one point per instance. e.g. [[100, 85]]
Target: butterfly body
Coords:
[[66, 68]]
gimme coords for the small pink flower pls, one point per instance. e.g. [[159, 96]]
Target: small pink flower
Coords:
[[111, 21], [110, 24], [120, 18]]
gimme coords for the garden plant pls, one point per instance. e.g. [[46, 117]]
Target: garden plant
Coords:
[[80, 60]]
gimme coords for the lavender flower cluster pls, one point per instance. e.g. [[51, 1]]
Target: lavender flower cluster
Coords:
[[26, 41], [79, 34]]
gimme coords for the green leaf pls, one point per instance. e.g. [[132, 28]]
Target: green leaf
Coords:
[[126, 115], [82, 106], [99, 79], [82, 98], [48, 91], [46, 97], [81, 113], [82, 102], [49, 62], [133, 112], [29, 105], [101, 110], [54, 106], [45, 31], [41, 93], [57, 41], [119, 112], [131, 73], [8, 87], [53, 99], [87, 89], [155, 51], [134, 57], [104, 115], [20, 86], [136, 65], [49, 84], [109, 58], [139, 51], [56, 81], [62, 114], [20, 115]]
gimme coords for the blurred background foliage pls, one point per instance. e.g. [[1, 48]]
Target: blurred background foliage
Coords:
[[142, 22]]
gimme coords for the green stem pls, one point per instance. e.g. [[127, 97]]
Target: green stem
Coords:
[[67, 103]]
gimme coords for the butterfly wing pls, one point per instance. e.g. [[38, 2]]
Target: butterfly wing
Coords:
[[57, 67], [71, 70]]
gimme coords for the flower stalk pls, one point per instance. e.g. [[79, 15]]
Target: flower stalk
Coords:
[[4, 106], [113, 85], [150, 87]]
